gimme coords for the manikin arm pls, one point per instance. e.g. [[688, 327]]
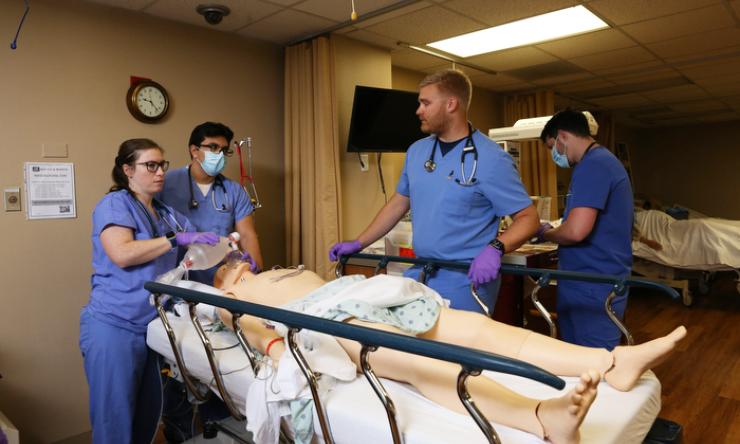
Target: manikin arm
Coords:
[[575, 228], [385, 220]]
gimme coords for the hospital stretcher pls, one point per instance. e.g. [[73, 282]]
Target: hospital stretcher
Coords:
[[693, 251], [350, 412]]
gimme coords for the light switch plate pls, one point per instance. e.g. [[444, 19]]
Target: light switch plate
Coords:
[[12, 199]]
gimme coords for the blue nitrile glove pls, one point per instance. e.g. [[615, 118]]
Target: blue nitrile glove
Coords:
[[485, 266], [343, 249], [253, 267], [184, 239], [540, 236]]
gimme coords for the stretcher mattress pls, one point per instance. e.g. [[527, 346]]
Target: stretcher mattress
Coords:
[[356, 415]]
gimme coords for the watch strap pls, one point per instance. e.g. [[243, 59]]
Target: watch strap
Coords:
[[497, 244], [172, 238]]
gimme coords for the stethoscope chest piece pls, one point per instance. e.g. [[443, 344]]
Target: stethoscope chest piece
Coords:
[[430, 165]]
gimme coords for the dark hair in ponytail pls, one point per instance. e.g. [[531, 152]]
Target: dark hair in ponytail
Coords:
[[128, 153]]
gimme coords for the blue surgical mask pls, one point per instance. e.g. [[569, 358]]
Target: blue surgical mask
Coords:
[[560, 160], [213, 164]]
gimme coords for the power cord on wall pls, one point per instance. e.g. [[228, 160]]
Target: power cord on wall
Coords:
[[14, 43], [380, 176]]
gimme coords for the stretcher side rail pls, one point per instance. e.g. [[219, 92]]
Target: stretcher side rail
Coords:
[[619, 284], [473, 362]]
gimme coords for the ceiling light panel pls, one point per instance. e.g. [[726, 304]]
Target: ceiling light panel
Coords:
[[541, 28]]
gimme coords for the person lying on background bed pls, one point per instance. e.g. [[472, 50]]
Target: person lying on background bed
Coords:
[[411, 308]]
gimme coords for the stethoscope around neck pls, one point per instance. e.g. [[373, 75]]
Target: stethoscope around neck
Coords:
[[162, 212], [218, 182], [430, 165]]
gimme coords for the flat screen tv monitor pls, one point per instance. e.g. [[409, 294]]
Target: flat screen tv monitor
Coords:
[[383, 120]]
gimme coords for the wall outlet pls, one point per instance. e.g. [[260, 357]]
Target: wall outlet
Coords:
[[12, 199], [364, 162]]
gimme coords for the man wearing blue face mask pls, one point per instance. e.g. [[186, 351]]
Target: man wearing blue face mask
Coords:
[[209, 199], [596, 233]]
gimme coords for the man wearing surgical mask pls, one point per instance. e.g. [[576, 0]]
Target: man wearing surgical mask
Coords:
[[596, 233], [200, 191]]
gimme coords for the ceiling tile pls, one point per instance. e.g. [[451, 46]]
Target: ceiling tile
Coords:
[[392, 14], [341, 11], [614, 59], [512, 58], [497, 12], [642, 75], [471, 72], [563, 79], [498, 81], [676, 94], [723, 89], [699, 105], [708, 56], [715, 68], [243, 12], [627, 69], [372, 38], [691, 45], [622, 101], [720, 117], [284, 26], [426, 25], [677, 25], [735, 6], [621, 12], [585, 86], [410, 59], [585, 44], [126, 4]]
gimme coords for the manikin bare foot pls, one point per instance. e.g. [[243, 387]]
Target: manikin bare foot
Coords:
[[632, 361], [561, 417]]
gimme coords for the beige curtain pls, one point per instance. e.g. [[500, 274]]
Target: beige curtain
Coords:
[[538, 171], [312, 188]]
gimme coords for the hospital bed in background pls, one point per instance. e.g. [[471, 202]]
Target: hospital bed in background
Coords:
[[691, 251], [224, 362]]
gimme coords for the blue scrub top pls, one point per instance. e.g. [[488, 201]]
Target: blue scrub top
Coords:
[[451, 221], [207, 216], [118, 295], [600, 181]]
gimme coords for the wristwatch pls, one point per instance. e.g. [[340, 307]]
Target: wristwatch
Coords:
[[497, 244], [172, 238]]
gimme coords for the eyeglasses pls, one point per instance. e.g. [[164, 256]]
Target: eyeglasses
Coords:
[[217, 149], [153, 166]]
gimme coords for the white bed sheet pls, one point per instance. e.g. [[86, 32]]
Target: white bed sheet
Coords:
[[357, 416], [699, 244]]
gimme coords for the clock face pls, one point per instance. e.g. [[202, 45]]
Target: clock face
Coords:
[[151, 101]]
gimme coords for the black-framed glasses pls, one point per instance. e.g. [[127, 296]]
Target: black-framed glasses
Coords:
[[217, 149], [153, 166]]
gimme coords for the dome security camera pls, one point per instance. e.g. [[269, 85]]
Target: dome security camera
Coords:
[[213, 13]]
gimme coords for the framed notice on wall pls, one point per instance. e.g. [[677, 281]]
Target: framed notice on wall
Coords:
[[50, 190]]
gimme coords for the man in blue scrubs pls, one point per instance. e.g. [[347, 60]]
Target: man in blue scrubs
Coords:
[[596, 233], [208, 199], [455, 214]]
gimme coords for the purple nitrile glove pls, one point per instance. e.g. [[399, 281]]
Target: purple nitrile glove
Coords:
[[184, 239], [485, 266], [344, 248], [253, 267], [540, 236]]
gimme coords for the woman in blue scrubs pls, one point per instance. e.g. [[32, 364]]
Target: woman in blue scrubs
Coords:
[[135, 239]]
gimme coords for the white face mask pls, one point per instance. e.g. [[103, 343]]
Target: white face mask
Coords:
[[560, 160]]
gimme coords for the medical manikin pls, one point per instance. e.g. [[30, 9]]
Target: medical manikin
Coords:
[[556, 420]]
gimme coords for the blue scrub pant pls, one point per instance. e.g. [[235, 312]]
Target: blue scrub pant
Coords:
[[123, 376], [581, 315], [455, 286]]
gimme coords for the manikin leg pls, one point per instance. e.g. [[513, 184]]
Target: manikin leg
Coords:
[[621, 368], [557, 419]]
